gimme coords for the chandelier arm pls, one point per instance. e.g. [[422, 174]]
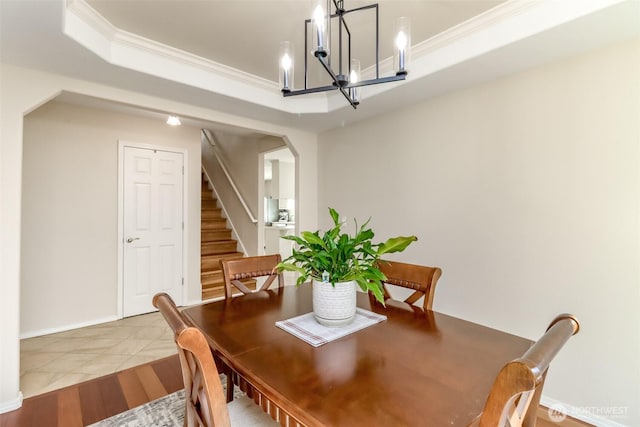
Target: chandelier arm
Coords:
[[369, 82], [310, 90], [307, 22], [369, 6], [377, 45], [343, 23], [348, 98], [336, 82], [327, 67], [379, 80], [329, 27]]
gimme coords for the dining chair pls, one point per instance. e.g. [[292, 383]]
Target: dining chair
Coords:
[[421, 279], [236, 270], [514, 398], [205, 403]]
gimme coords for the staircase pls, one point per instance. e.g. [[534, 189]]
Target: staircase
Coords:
[[216, 244]]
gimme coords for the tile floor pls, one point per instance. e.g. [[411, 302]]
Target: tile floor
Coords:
[[53, 361]]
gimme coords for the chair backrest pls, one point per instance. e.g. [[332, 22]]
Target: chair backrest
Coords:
[[515, 395], [235, 270], [205, 401], [420, 278]]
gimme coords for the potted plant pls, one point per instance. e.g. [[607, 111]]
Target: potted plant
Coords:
[[336, 262]]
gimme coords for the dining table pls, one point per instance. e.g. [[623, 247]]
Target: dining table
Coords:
[[414, 368]]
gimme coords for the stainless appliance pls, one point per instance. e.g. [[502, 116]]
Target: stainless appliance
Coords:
[[270, 210]]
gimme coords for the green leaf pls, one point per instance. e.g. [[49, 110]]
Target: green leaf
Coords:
[[396, 244], [335, 216], [312, 238], [296, 239], [343, 256], [289, 267], [377, 292]]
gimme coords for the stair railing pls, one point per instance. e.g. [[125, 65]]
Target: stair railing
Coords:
[[211, 140], [234, 231]]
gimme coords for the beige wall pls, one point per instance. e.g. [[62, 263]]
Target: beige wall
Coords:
[[526, 192], [23, 90], [70, 212]]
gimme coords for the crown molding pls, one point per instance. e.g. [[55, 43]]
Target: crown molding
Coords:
[[124, 38], [522, 18], [86, 26], [507, 23]]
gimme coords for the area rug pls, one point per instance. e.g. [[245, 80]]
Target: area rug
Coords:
[[168, 411]]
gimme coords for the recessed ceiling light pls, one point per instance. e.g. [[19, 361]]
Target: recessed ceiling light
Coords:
[[173, 121]]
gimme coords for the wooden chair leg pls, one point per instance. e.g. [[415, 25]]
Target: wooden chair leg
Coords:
[[229, 384]]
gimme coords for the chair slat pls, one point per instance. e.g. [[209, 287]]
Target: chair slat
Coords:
[[235, 270], [422, 279]]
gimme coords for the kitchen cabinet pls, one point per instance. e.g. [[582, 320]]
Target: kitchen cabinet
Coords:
[[274, 244]]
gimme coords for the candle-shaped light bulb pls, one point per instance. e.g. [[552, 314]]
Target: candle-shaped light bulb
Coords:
[[401, 44], [401, 40], [318, 19], [285, 63], [354, 77], [285, 66]]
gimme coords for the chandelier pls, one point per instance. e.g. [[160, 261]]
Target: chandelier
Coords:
[[346, 77]]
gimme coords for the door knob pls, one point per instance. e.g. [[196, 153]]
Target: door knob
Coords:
[[131, 239]]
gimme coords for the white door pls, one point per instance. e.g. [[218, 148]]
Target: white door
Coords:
[[152, 227]]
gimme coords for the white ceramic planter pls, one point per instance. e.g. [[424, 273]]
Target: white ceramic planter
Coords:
[[334, 305]]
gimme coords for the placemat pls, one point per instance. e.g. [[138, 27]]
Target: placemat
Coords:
[[309, 330]]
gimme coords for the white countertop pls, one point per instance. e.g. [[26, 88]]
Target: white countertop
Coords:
[[282, 225]]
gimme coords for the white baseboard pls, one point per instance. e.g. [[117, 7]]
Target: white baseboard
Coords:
[[65, 328], [591, 415], [11, 405]]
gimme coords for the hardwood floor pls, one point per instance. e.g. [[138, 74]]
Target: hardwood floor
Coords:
[[94, 400]]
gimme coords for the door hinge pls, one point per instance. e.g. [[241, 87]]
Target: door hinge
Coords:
[[182, 170], [183, 281]]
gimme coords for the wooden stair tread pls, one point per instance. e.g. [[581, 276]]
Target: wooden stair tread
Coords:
[[217, 290], [211, 276], [212, 285], [220, 243], [213, 224], [212, 243], [214, 235], [230, 255], [218, 247], [207, 210], [216, 244], [211, 214]]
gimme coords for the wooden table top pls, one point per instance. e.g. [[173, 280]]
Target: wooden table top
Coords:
[[414, 369]]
